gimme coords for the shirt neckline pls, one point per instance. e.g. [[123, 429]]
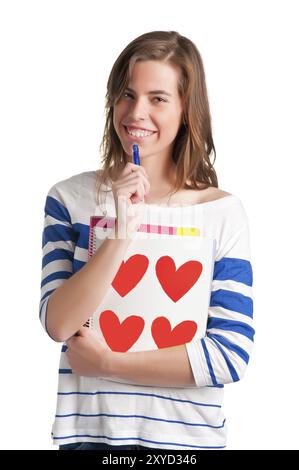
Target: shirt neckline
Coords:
[[188, 206]]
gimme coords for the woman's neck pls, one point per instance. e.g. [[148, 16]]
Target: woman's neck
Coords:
[[161, 179]]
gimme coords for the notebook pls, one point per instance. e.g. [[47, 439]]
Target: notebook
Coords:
[[161, 292]]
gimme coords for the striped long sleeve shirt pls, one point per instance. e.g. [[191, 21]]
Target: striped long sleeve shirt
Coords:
[[95, 409]]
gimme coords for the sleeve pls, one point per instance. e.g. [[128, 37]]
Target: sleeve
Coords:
[[58, 242], [222, 355]]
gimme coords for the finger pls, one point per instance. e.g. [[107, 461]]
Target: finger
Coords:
[[133, 185], [135, 190], [133, 177], [145, 183], [131, 167]]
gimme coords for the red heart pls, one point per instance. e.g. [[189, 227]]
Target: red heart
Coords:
[[181, 334], [130, 273], [177, 283], [120, 336]]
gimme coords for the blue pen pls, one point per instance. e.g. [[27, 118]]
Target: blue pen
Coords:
[[136, 154]]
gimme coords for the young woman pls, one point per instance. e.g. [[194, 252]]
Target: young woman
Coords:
[[168, 398]]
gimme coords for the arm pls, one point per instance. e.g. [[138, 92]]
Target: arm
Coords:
[[167, 367], [75, 300], [68, 299], [222, 355]]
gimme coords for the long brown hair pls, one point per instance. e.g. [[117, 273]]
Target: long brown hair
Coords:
[[194, 144]]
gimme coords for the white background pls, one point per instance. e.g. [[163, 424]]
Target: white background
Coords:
[[56, 56]]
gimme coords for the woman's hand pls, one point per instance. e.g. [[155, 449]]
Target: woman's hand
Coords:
[[129, 191], [87, 354]]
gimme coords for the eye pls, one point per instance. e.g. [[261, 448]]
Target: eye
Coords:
[[156, 97]]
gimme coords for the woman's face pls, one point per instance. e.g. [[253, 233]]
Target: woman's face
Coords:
[[142, 107]]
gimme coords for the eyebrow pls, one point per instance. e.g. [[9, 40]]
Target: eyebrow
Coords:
[[153, 92]]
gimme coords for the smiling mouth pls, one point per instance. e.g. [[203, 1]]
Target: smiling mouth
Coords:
[[139, 136]]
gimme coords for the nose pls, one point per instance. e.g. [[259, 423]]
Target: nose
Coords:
[[139, 110]]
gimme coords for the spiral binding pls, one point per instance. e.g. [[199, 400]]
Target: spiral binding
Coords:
[[91, 251]]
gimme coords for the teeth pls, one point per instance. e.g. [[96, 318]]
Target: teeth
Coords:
[[139, 133]]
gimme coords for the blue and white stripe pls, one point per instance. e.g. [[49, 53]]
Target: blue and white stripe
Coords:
[[222, 356], [58, 244]]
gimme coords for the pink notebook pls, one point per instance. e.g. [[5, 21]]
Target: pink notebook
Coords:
[[161, 292]]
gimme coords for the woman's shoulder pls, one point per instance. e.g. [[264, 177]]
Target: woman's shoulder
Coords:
[[229, 208], [72, 187], [212, 194], [77, 179], [202, 194]]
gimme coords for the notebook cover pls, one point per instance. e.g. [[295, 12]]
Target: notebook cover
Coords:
[[161, 292]]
